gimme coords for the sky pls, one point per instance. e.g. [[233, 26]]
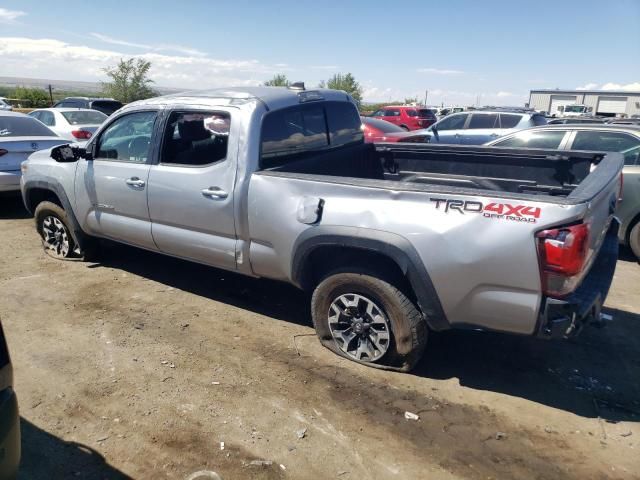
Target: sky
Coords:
[[491, 52]]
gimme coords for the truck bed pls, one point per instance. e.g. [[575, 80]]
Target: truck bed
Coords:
[[501, 172]]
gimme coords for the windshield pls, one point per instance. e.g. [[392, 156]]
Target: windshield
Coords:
[[382, 125], [106, 106], [575, 108], [81, 117], [11, 126]]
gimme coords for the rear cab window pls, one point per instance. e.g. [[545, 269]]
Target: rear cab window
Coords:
[[289, 134]]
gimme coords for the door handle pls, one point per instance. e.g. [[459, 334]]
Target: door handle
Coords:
[[214, 192], [135, 182]]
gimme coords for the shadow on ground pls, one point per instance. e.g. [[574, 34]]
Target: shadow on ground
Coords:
[[45, 456], [593, 375], [11, 206]]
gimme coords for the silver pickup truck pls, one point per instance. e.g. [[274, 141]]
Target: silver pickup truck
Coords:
[[393, 240]]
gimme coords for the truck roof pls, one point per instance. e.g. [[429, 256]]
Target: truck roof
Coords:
[[271, 97]]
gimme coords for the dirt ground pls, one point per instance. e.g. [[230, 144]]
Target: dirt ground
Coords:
[[141, 366]]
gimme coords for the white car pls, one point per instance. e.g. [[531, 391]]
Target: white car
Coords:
[[4, 105], [20, 136], [77, 124]]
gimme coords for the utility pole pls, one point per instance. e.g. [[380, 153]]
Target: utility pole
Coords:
[[51, 94], [426, 96]]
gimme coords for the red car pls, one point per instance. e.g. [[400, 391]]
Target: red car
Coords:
[[376, 130], [408, 118]]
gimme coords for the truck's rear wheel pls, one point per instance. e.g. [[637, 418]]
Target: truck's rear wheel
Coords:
[[52, 224], [634, 240], [368, 320]]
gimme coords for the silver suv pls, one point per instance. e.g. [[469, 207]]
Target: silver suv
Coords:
[[624, 139], [479, 126]]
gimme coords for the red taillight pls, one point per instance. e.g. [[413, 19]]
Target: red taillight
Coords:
[[3, 151], [563, 254], [81, 134]]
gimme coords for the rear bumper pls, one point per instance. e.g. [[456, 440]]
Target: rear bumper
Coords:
[[10, 181], [9, 434], [563, 318]]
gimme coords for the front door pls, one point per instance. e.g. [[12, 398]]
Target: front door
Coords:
[[111, 189], [191, 188]]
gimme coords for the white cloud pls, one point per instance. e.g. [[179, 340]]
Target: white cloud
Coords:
[[632, 87], [440, 71], [43, 58], [156, 48], [635, 86], [10, 16], [505, 94], [588, 86]]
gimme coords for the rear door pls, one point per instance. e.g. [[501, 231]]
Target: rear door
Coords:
[[449, 129], [191, 187], [111, 189], [481, 128], [392, 115]]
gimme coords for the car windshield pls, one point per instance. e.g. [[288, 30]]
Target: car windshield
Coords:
[[106, 106], [575, 108], [18, 126], [382, 125], [81, 117]]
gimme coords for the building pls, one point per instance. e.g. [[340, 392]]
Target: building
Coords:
[[604, 102]]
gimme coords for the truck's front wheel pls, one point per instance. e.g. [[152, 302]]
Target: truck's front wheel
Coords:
[[53, 226], [368, 320]]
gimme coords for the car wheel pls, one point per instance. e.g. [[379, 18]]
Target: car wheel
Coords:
[[634, 240], [368, 320], [52, 224]]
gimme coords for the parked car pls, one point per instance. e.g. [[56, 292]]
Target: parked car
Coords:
[[9, 416], [392, 239], [575, 120], [479, 126], [612, 138], [624, 121], [20, 136], [77, 124], [4, 105], [104, 105], [376, 130], [408, 118]]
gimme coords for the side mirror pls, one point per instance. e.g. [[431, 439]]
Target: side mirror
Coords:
[[64, 154], [67, 153]]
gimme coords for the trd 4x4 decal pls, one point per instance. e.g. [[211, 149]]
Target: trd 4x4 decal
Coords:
[[506, 211]]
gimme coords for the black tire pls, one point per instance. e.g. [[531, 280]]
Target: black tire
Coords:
[[408, 329], [45, 215], [634, 240]]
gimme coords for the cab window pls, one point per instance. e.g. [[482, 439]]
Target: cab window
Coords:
[[127, 139], [196, 138]]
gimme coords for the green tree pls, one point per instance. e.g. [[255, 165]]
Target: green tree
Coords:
[[31, 97], [348, 83], [279, 80], [410, 100], [129, 81]]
